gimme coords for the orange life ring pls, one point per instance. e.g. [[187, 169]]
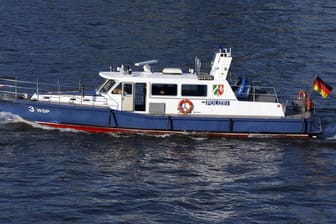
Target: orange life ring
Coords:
[[302, 96], [185, 106]]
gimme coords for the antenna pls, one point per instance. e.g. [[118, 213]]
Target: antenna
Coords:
[[146, 65], [198, 65]]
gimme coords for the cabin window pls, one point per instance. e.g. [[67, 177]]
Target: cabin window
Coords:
[[101, 83], [107, 86], [194, 90], [128, 89], [164, 89], [117, 90]]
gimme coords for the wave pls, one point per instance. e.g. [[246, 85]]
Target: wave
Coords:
[[9, 118], [329, 131]]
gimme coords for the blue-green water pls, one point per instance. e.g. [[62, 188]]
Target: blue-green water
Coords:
[[51, 176]]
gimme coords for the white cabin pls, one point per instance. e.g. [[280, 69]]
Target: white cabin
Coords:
[[173, 92]]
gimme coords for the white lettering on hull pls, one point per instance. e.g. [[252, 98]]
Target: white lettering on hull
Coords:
[[217, 103], [38, 110]]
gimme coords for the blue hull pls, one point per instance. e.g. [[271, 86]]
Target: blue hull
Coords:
[[106, 118], [215, 124], [57, 113]]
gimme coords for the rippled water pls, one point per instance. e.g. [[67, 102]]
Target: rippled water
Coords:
[[51, 176]]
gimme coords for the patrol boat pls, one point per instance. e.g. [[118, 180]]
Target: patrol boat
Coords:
[[165, 102]]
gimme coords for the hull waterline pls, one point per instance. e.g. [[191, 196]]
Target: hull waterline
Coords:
[[91, 129]]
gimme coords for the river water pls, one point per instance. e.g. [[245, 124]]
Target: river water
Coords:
[[52, 176]]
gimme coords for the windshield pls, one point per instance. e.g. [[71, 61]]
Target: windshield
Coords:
[[105, 85]]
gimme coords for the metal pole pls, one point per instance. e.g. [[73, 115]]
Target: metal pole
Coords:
[[37, 89], [15, 88]]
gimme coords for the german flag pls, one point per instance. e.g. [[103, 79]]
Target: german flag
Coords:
[[321, 87]]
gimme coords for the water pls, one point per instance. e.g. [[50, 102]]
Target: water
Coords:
[[51, 176]]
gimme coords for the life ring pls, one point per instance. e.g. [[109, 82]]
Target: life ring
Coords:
[[302, 96], [307, 102], [185, 106]]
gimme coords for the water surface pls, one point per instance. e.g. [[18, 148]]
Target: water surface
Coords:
[[51, 176]]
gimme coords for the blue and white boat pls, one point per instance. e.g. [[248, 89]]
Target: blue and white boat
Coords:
[[165, 102]]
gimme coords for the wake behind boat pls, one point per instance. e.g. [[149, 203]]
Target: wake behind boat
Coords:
[[165, 102]]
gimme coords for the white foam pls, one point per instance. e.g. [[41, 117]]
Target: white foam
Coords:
[[6, 117], [330, 132]]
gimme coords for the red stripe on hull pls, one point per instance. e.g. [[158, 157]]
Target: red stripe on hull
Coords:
[[93, 129]]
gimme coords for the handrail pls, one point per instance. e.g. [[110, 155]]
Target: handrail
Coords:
[[12, 89], [252, 93]]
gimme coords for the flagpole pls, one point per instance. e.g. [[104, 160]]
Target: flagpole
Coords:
[[312, 86]]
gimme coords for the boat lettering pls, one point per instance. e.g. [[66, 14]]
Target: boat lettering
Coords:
[[38, 110], [217, 102]]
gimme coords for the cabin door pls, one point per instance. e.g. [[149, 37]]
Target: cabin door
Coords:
[[127, 99], [140, 97]]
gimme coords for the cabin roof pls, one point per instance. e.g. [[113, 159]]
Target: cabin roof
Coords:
[[152, 76]]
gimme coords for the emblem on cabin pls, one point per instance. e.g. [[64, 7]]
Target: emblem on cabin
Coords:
[[218, 90]]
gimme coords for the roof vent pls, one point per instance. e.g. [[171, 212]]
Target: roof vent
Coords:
[[172, 71]]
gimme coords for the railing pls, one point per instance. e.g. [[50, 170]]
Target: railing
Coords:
[[13, 89], [257, 93]]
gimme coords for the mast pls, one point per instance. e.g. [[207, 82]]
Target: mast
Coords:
[[221, 64]]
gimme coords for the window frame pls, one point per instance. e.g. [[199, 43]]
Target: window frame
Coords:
[[164, 89], [196, 92]]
